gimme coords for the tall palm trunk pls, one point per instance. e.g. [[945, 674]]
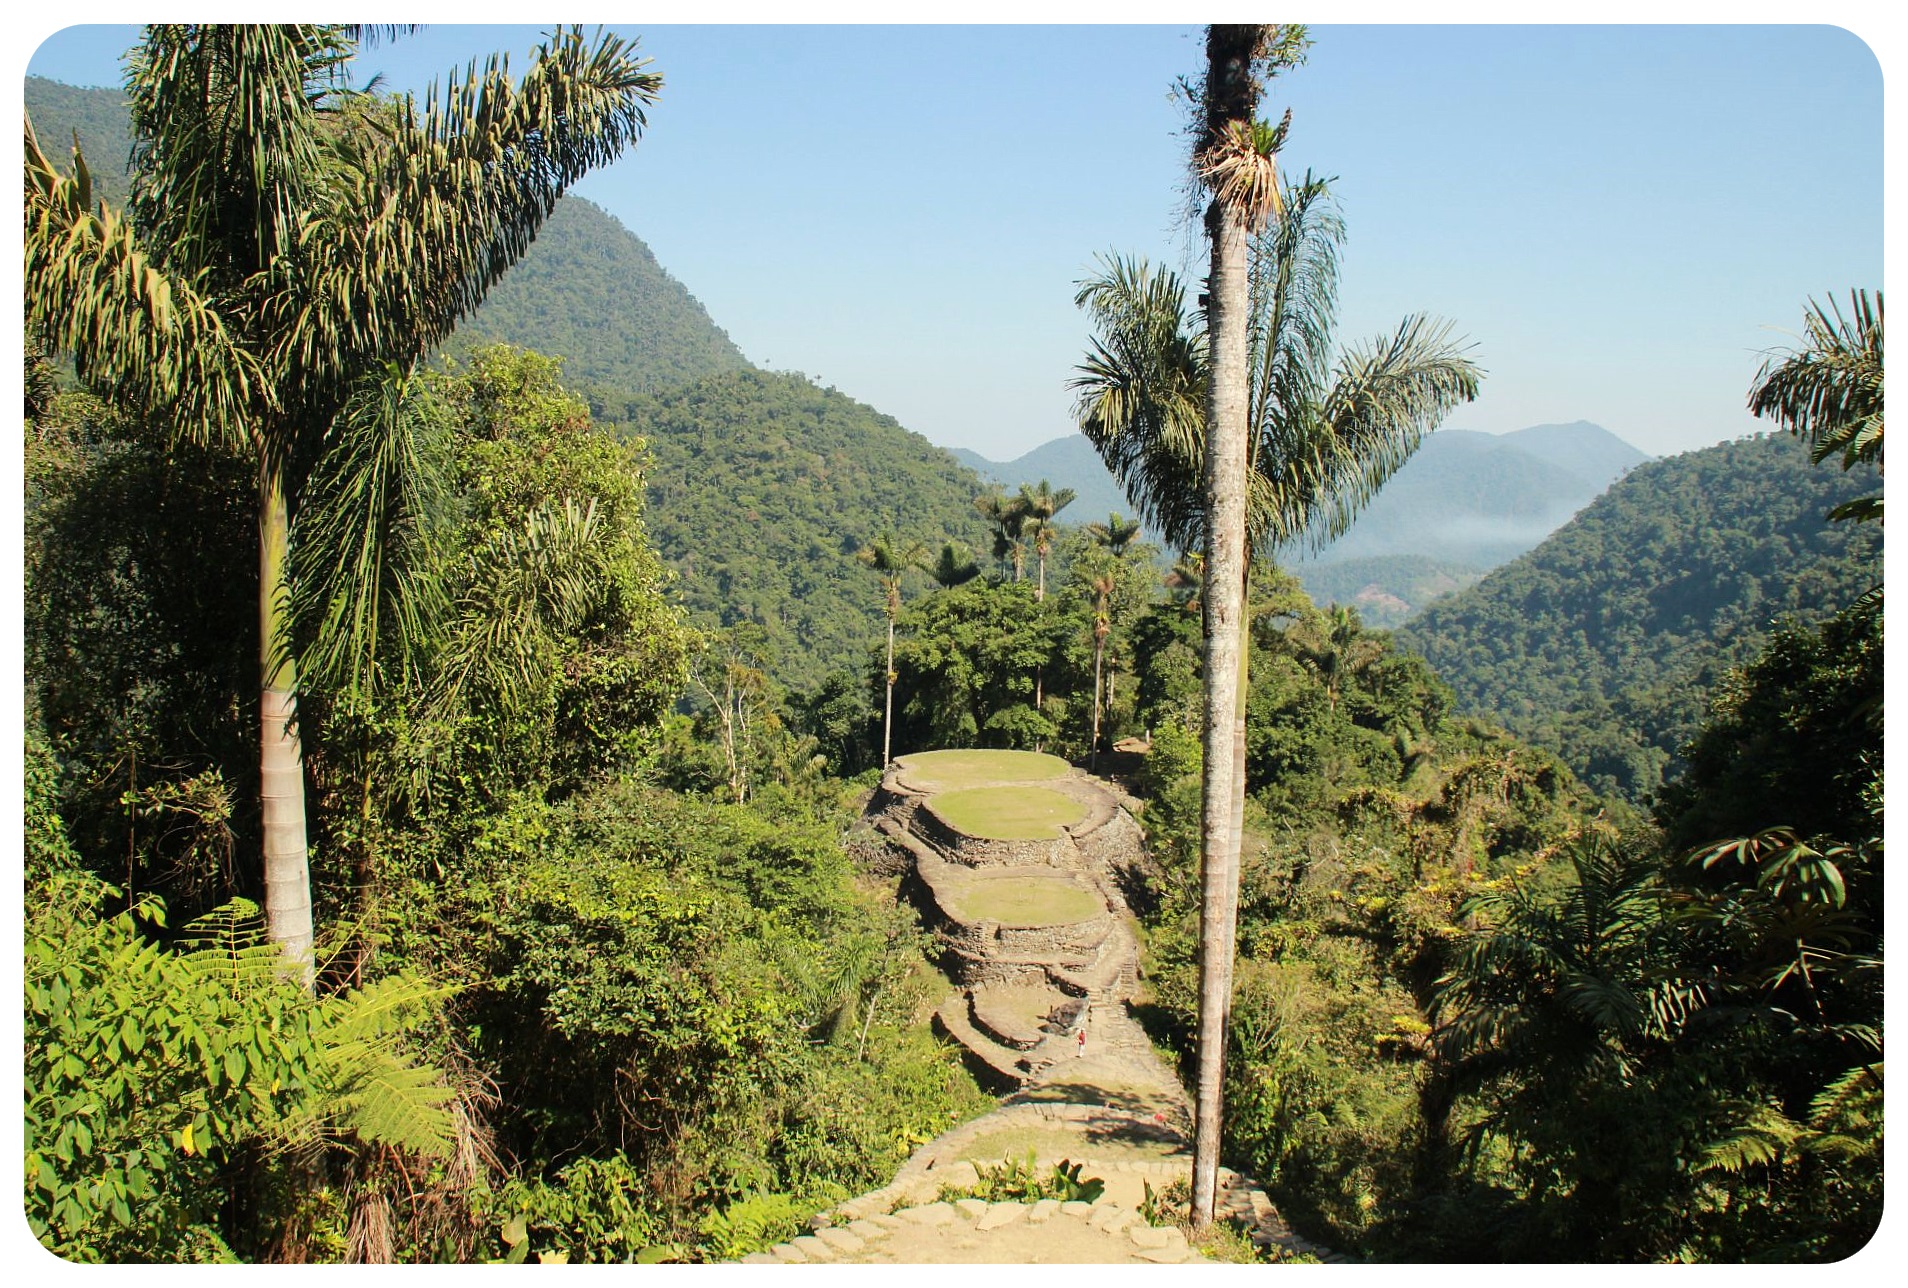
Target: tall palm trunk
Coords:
[[1099, 652], [1225, 605], [281, 765], [1230, 96], [887, 714]]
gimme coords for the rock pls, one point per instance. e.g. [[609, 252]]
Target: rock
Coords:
[[1148, 1236], [760, 1259], [930, 1214], [1110, 1217], [812, 1248], [1042, 1210], [1166, 1256], [1000, 1214], [888, 1219], [841, 1240], [783, 1252], [974, 1208], [868, 1229], [1074, 1207], [959, 1175]]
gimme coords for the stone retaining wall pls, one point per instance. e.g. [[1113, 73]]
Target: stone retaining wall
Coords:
[[977, 851]]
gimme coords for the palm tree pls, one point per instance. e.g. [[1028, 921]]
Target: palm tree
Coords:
[[1116, 534], [288, 243], [1038, 505], [952, 567], [1234, 158], [1335, 649], [1321, 438], [1102, 583], [890, 561], [1829, 392], [1007, 516]]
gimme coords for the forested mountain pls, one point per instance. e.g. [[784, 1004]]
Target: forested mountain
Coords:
[[1464, 504], [1064, 462], [764, 486], [96, 116], [590, 291], [1605, 642]]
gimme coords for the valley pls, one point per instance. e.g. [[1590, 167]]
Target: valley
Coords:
[[508, 779]]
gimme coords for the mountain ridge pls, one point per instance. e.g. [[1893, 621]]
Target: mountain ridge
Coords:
[[1605, 641]]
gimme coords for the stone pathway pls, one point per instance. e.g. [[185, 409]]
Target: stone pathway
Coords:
[[1113, 1106]]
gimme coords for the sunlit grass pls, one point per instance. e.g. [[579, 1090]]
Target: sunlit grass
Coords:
[[969, 767], [1025, 901], [1008, 813]]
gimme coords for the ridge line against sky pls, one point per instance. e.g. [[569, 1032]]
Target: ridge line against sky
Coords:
[[1621, 219]]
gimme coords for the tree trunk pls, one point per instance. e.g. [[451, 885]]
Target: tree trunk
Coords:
[[1099, 651], [281, 765], [1230, 96], [887, 715]]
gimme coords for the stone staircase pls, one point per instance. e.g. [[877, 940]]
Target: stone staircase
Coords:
[[1023, 995]]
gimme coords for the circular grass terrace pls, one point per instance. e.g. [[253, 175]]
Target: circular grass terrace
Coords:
[[947, 771], [1016, 813], [1024, 901]]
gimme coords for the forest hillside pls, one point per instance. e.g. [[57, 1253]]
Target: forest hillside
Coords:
[[591, 292], [764, 487], [1605, 642]]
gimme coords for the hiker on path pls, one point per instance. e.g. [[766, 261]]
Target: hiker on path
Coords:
[[1080, 1033]]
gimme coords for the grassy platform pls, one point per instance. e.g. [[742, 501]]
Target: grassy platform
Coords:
[[968, 767], [1025, 901], [1007, 813]]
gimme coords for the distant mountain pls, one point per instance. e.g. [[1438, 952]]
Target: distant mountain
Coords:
[[1590, 452], [763, 488], [591, 291], [1464, 504], [1063, 462], [1604, 642]]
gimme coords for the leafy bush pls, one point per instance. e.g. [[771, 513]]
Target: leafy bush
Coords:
[[1018, 1181], [751, 1224], [150, 1070]]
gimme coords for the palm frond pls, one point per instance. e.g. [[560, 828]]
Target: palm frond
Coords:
[[522, 588], [138, 331], [1829, 391], [368, 595], [419, 226]]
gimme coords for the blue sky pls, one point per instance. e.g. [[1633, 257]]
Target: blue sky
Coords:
[[1620, 218]]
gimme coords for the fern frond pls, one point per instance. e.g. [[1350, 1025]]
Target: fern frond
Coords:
[[1763, 1136], [227, 948], [365, 1083]]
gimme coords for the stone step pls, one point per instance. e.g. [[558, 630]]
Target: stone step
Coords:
[[1000, 1011], [993, 1063]]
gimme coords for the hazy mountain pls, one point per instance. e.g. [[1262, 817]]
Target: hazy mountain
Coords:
[[1064, 462], [1604, 642], [1466, 503]]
